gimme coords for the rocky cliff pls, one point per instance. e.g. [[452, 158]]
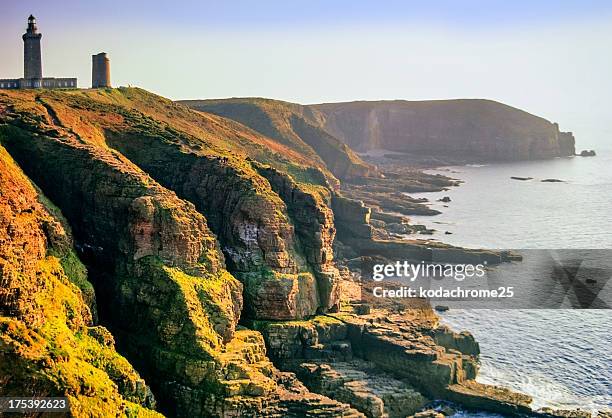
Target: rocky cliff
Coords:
[[156, 262], [49, 345], [472, 129], [480, 130], [136, 234]]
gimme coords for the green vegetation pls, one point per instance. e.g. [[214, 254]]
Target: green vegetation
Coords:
[[62, 357], [193, 131], [320, 320]]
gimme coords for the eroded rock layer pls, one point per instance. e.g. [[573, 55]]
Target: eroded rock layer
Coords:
[[386, 365], [309, 208], [249, 219]]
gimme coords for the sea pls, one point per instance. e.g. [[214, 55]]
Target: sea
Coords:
[[561, 357]]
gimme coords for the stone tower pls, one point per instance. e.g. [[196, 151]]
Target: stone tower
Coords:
[[32, 61], [100, 71]]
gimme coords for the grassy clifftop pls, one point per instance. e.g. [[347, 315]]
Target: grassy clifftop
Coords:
[[137, 109], [292, 125]]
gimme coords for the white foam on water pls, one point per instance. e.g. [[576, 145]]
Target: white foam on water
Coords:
[[544, 391]]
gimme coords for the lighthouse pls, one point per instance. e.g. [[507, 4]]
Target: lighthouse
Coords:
[[32, 66], [32, 60]]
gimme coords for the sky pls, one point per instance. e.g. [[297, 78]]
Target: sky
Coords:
[[550, 58]]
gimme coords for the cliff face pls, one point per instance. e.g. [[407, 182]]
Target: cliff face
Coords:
[[291, 125], [477, 129], [160, 211], [151, 256], [250, 220], [49, 345], [309, 208]]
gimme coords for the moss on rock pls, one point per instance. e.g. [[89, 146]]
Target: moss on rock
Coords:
[[46, 342]]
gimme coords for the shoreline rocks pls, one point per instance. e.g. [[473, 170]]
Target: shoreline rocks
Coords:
[[363, 360]]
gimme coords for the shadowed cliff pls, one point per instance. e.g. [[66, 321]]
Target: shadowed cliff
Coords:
[[477, 129], [49, 344]]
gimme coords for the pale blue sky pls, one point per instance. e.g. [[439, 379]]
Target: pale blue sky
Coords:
[[551, 58]]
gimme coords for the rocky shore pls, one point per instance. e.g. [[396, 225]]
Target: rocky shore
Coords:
[[386, 365], [384, 222]]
